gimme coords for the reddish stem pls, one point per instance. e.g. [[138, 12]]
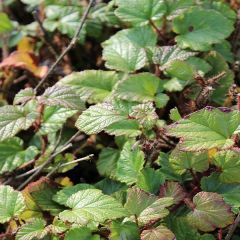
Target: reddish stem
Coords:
[[238, 101], [220, 234]]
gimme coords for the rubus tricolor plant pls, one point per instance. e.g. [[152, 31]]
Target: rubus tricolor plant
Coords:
[[120, 120]]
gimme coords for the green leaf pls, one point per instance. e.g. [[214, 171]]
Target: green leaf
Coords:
[[62, 196], [128, 127], [199, 28], [166, 55], [183, 161], [158, 233], [35, 229], [219, 65], [140, 11], [65, 19], [91, 205], [124, 231], [130, 163], [174, 114], [13, 119], [24, 95], [12, 154], [11, 203], [82, 233], [223, 8], [174, 85], [229, 163], [145, 114], [224, 48], [176, 7], [97, 117], [230, 192], [206, 129], [210, 212], [5, 23], [107, 162], [183, 230], [63, 96], [109, 186], [138, 87], [150, 180], [126, 50], [199, 65], [53, 118], [146, 207], [181, 70], [42, 193], [94, 85]]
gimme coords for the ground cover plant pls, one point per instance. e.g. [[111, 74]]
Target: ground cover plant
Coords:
[[120, 119]]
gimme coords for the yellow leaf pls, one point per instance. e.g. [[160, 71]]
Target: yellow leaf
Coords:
[[64, 181], [26, 61], [212, 152], [25, 45]]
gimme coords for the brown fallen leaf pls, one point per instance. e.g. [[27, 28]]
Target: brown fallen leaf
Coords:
[[25, 60]]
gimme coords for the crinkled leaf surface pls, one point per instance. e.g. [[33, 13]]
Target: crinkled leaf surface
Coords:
[[97, 117], [166, 55], [54, 117], [230, 192], [63, 96], [145, 206], [130, 163], [125, 51], [12, 154], [13, 119], [140, 11], [62, 196], [199, 28], [11, 203], [210, 212], [94, 85], [182, 161], [91, 205], [229, 163], [174, 190], [24, 95], [35, 229], [158, 233], [107, 162], [139, 87], [206, 129]]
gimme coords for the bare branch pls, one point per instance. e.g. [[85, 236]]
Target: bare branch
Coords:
[[69, 47]]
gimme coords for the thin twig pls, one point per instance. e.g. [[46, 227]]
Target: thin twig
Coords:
[[45, 37], [233, 227], [89, 157], [25, 183], [69, 47]]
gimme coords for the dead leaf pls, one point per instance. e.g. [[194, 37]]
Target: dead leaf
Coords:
[[25, 60]]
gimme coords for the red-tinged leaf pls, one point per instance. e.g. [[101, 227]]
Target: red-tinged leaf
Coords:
[[25, 60], [210, 212], [174, 190], [158, 233]]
